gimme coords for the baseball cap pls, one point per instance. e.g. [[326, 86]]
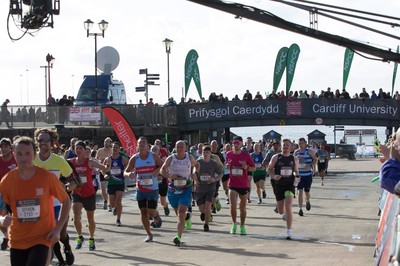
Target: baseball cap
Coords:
[[5, 141]]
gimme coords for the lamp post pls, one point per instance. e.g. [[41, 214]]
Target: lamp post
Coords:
[[168, 44], [46, 100], [103, 25], [49, 60]]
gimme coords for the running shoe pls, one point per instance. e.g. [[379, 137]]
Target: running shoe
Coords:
[[206, 228], [69, 256], [118, 223], [243, 230], [308, 206], [105, 205], [114, 211], [202, 216], [284, 217], [276, 210], [188, 224], [301, 212], [211, 218], [213, 210], [259, 201], [193, 203], [289, 234], [79, 242], [218, 205], [4, 244], [227, 201], [92, 246], [166, 210], [248, 200], [187, 216], [233, 229], [264, 194], [148, 239], [157, 221], [61, 263], [177, 241]]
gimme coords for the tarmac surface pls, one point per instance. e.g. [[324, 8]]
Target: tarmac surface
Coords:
[[340, 229]]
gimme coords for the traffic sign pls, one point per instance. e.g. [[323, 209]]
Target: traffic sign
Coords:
[[140, 89], [143, 71]]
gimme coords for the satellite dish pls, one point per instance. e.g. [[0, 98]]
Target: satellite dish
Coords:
[[107, 59]]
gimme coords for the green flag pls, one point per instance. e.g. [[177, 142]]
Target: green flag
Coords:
[[280, 65], [292, 57], [394, 73], [196, 79], [192, 71], [348, 59]]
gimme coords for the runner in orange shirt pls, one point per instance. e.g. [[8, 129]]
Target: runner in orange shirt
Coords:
[[29, 190]]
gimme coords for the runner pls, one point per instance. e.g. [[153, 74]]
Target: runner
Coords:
[[248, 147], [70, 153], [260, 174], [101, 154], [323, 157], [29, 191], [163, 183], [85, 196], [177, 168], [275, 150], [283, 170], [205, 183], [7, 163], [45, 139], [225, 177], [239, 163], [147, 166], [307, 161], [115, 180], [219, 158]]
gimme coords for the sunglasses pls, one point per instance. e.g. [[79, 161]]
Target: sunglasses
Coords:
[[43, 140]]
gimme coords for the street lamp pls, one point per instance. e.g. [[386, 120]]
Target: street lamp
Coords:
[[168, 44], [49, 60], [103, 25]]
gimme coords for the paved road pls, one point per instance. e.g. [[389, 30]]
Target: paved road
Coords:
[[340, 229]]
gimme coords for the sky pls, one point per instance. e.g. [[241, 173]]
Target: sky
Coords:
[[234, 54]]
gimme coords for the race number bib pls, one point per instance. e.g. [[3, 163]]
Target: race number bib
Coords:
[[258, 165], [286, 171], [28, 210], [116, 171], [237, 171], [83, 178], [205, 177], [146, 180], [180, 182], [321, 160], [302, 165]]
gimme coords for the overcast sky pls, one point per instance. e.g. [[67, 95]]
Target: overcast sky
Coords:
[[234, 54]]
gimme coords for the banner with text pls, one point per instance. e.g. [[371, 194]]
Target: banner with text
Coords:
[[192, 71], [292, 57], [283, 108], [348, 59], [280, 66], [122, 129]]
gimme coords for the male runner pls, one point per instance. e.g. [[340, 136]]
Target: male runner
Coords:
[[177, 168], [101, 154], [307, 160]]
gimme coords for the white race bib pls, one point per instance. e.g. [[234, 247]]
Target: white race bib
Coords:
[[321, 160], [237, 171], [83, 178], [302, 165], [146, 180], [115, 171], [179, 183], [28, 210], [205, 177], [286, 171]]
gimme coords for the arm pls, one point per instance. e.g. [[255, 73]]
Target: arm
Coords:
[[165, 169], [54, 234], [271, 168], [96, 164], [129, 170]]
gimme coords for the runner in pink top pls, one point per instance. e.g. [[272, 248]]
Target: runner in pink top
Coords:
[[239, 163]]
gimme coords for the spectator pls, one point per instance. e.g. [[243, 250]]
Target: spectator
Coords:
[[321, 95], [247, 96], [337, 94], [381, 94], [344, 94], [373, 95], [150, 103], [364, 94], [328, 94], [236, 98], [313, 95], [5, 114], [31, 114], [258, 96], [213, 98], [24, 113], [272, 95]]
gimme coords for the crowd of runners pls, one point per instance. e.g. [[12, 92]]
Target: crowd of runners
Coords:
[[41, 184]]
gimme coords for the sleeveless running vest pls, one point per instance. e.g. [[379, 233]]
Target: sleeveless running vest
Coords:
[[284, 167], [145, 181], [117, 172], [85, 174], [182, 168], [304, 160]]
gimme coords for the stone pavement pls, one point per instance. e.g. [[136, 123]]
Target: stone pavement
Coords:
[[340, 229]]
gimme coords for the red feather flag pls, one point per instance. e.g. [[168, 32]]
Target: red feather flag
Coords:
[[122, 129]]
